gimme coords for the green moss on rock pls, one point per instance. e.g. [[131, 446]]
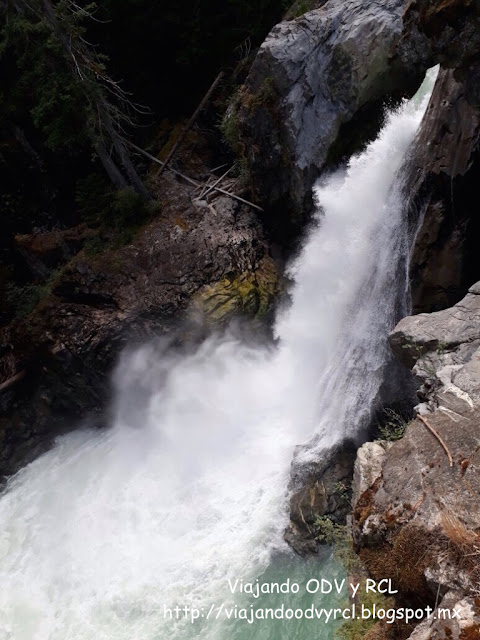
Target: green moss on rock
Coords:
[[250, 293]]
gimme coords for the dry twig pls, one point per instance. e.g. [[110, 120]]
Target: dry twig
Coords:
[[438, 437]]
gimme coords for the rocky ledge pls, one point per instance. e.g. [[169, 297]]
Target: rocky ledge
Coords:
[[415, 504]]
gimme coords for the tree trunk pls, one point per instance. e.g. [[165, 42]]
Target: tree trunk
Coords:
[[100, 107], [110, 167]]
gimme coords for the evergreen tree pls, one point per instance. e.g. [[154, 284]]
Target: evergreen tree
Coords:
[[64, 80]]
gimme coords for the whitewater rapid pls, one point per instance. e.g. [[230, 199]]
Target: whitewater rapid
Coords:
[[188, 487]]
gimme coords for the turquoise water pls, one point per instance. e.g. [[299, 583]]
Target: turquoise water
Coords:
[[285, 573]]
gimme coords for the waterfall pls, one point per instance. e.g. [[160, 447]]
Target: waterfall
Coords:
[[188, 487]]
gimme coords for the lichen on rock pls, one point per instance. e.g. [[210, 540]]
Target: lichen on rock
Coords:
[[249, 294]]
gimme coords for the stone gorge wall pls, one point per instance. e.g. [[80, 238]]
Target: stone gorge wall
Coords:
[[444, 171], [311, 77], [315, 94]]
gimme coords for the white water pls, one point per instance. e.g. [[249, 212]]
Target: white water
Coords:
[[188, 487]]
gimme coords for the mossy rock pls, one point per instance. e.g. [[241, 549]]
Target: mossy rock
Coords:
[[300, 7], [250, 294]]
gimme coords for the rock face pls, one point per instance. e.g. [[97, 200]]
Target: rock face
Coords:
[[444, 170], [465, 625], [443, 348], [44, 252], [321, 489], [444, 32], [417, 523], [311, 76], [186, 263], [316, 89], [416, 517]]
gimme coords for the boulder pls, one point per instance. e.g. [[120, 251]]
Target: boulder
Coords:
[[443, 349], [319, 489], [311, 76]]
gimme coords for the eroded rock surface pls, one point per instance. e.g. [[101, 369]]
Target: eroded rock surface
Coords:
[[465, 625], [443, 348], [418, 521], [316, 89], [322, 488]]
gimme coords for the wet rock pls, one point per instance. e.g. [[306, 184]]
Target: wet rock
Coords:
[[321, 488], [250, 293], [443, 173]]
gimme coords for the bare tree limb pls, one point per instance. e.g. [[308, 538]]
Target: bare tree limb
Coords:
[[212, 187], [438, 437], [11, 381], [195, 183]]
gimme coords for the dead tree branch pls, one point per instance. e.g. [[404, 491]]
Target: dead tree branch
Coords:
[[438, 437]]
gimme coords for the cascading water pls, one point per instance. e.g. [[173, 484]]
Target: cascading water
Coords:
[[188, 489]]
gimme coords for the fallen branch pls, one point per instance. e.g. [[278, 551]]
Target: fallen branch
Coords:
[[438, 437], [218, 168], [232, 195], [11, 381], [212, 172], [217, 182], [154, 159], [190, 180], [205, 187]]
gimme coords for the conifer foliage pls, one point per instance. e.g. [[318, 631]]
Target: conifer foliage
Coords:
[[62, 80]]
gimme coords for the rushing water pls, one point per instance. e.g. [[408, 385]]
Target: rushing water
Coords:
[[188, 488]]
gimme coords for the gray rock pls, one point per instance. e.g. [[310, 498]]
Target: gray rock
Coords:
[[322, 488], [311, 76], [467, 620], [443, 349], [315, 92], [418, 523], [442, 176], [368, 466], [416, 519]]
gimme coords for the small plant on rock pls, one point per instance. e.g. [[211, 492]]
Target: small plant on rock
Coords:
[[393, 428]]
